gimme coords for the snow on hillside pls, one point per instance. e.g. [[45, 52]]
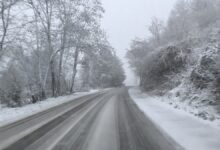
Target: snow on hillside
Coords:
[[189, 131], [198, 90], [9, 115]]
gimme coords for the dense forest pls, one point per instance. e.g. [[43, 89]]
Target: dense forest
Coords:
[[180, 60], [50, 48]]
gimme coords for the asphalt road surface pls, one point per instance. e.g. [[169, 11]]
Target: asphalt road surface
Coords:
[[107, 120]]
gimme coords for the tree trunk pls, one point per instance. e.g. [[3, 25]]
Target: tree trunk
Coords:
[[61, 62], [43, 94], [74, 70], [86, 74], [53, 79], [60, 73], [49, 40], [5, 24]]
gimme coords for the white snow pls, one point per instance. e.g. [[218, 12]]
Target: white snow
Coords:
[[194, 101], [189, 131], [9, 115]]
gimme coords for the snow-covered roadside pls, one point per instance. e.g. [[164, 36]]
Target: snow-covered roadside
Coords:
[[9, 115], [187, 130]]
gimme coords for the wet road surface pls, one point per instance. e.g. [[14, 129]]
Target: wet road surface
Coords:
[[107, 120]]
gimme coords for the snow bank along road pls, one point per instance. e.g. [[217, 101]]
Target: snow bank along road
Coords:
[[107, 120]]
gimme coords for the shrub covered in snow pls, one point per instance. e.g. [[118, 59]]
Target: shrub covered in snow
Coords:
[[206, 73], [161, 64], [11, 90], [199, 91]]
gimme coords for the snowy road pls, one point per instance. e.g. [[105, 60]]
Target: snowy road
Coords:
[[107, 120]]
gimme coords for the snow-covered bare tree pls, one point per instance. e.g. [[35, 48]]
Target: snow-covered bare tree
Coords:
[[179, 23], [139, 49], [156, 29], [52, 41], [5, 22]]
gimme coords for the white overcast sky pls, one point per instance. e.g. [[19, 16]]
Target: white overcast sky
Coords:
[[126, 19]]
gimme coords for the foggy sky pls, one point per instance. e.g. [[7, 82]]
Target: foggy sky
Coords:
[[126, 19]]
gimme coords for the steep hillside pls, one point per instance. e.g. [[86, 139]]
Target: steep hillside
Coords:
[[180, 62]]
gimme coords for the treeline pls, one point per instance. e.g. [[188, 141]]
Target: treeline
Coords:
[[180, 46], [53, 47]]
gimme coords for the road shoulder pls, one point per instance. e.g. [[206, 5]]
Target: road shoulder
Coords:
[[188, 131]]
